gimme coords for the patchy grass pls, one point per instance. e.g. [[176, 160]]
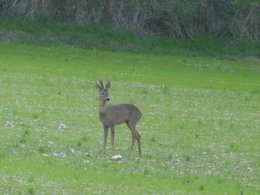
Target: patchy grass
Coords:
[[200, 125]]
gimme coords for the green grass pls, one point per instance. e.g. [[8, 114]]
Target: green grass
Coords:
[[50, 33], [200, 126]]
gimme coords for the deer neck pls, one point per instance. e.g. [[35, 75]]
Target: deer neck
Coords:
[[102, 105], [103, 111]]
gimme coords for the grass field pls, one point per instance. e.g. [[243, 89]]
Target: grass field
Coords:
[[200, 127]]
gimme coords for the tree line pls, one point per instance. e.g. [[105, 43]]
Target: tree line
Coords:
[[172, 18]]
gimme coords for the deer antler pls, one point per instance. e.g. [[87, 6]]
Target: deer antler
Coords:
[[108, 84], [99, 84]]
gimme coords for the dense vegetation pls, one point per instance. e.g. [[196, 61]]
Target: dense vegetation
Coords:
[[58, 34], [172, 18]]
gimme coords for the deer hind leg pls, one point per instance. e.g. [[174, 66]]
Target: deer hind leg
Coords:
[[135, 136], [138, 138], [132, 145]]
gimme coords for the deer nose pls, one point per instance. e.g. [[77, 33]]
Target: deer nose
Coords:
[[107, 98]]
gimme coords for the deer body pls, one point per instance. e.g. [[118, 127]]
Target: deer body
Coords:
[[112, 115]]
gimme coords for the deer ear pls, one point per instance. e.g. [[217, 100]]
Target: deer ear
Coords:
[[108, 84]]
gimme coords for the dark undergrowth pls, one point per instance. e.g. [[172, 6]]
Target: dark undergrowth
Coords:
[[57, 34]]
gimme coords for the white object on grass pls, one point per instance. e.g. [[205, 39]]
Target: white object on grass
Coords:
[[116, 157], [62, 126]]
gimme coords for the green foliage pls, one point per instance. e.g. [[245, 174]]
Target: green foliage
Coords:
[[199, 127], [48, 33], [171, 18]]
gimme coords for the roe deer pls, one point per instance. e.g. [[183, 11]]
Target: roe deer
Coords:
[[111, 115]]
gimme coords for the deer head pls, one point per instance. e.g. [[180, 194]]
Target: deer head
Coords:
[[103, 91]]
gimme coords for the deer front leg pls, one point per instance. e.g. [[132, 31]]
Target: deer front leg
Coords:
[[105, 139], [113, 138]]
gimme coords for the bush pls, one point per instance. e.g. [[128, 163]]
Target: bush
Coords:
[[172, 18]]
